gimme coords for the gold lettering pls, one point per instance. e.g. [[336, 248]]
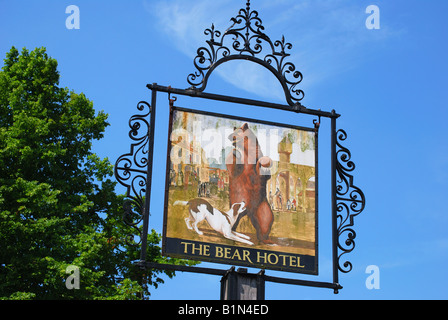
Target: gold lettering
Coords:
[[201, 249], [275, 256], [292, 261], [298, 263], [194, 248], [246, 255], [236, 254], [259, 257], [185, 246], [227, 253], [218, 253], [243, 255], [206, 250], [283, 259]]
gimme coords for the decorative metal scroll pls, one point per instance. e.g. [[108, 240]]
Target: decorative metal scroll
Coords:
[[131, 170], [248, 38], [350, 201]]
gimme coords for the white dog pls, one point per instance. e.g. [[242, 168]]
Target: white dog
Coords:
[[221, 222]]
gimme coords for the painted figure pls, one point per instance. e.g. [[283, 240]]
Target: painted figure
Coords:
[[249, 172], [221, 222]]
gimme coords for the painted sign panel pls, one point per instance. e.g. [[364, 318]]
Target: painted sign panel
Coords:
[[241, 192]]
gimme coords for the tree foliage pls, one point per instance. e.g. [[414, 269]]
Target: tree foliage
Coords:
[[58, 206]]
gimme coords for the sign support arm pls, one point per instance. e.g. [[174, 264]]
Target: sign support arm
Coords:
[[334, 203], [149, 177]]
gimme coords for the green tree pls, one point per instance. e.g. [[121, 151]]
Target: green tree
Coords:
[[57, 201]]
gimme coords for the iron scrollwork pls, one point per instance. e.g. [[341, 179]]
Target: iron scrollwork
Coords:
[[131, 171], [248, 40], [350, 201]]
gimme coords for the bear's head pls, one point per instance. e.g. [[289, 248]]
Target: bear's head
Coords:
[[245, 144], [247, 152]]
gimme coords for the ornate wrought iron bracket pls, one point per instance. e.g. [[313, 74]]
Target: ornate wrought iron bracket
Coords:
[[134, 169], [131, 168], [350, 201], [248, 39]]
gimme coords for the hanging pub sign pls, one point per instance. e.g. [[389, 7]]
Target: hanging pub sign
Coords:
[[241, 191]]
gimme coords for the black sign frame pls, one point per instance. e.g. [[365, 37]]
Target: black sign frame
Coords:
[[269, 257]]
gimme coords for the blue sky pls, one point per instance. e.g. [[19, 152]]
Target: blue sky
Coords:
[[388, 84]]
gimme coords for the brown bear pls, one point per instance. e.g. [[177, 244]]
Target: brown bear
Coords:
[[249, 172]]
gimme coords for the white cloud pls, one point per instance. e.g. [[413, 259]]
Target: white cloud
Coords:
[[328, 36], [184, 22], [252, 78]]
